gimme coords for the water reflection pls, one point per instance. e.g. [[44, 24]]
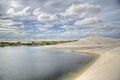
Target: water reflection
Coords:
[[34, 63]]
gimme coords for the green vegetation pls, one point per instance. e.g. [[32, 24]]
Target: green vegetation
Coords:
[[34, 43]]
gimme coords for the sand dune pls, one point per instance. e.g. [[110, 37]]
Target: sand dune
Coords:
[[107, 66], [89, 42]]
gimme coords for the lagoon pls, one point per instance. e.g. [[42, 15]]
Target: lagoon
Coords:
[[36, 63]]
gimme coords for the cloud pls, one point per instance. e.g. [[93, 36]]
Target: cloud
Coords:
[[80, 9], [72, 34], [45, 25], [75, 9], [25, 12], [60, 15], [53, 17], [12, 30], [86, 21], [18, 24], [43, 16], [107, 29], [11, 11], [8, 34], [11, 24], [6, 30], [41, 27], [14, 4], [37, 12], [47, 17]]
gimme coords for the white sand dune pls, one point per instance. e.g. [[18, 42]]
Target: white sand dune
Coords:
[[107, 66], [88, 42]]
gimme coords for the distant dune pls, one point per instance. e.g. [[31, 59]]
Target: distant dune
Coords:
[[107, 66], [89, 42]]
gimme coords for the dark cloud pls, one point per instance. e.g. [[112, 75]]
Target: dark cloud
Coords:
[[119, 1]]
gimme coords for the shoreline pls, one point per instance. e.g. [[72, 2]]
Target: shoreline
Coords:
[[79, 71], [106, 66]]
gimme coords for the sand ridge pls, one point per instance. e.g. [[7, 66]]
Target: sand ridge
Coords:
[[107, 66]]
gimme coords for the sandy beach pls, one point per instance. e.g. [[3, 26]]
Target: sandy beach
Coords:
[[107, 66]]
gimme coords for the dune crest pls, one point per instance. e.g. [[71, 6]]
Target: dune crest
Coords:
[[89, 42]]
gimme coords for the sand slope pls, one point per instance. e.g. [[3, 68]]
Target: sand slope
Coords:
[[107, 66]]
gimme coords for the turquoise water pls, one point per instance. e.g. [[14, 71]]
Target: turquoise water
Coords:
[[35, 63]]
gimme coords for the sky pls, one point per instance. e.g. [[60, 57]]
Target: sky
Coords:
[[58, 19]]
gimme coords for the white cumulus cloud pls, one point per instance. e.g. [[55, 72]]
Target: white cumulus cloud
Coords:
[[86, 21], [25, 12], [47, 17], [37, 12], [53, 17], [80, 9], [43, 16], [11, 11]]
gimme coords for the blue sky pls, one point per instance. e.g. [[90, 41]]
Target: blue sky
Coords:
[[58, 19]]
